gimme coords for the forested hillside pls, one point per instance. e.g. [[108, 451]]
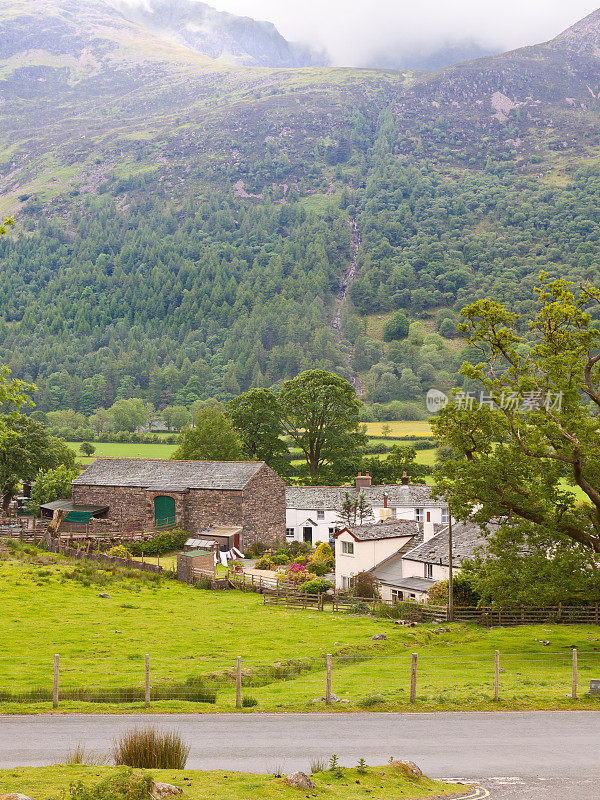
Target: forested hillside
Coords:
[[183, 227]]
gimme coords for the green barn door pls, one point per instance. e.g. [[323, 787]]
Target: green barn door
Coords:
[[164, 511]]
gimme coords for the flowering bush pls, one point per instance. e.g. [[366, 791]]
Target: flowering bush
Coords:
[[298, 574], [120, 551]]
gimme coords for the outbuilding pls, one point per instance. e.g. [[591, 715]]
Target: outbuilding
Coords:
[[194, 495]]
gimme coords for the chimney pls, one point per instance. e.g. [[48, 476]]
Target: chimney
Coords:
[[385, 499], [428, 531], [405, 479], [363, 481]]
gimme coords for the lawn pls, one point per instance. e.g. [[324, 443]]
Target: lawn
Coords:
[[389, 783], [52, 605], [125, 450]]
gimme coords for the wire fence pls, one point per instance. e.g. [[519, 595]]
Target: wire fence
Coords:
[[351, 679]]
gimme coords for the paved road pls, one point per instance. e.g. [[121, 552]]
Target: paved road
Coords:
[[517, 756]]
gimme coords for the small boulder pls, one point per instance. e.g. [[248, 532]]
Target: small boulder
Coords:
[[408, 768], [160, 790], [379, 637], [105, 595], [299, 780], [15, 796]]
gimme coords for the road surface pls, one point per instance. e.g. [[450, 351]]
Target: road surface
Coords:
[[517, 756]]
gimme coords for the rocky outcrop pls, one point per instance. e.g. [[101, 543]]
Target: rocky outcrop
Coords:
[[217, 34]]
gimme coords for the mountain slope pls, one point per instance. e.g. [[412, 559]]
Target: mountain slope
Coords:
[[183, 224]]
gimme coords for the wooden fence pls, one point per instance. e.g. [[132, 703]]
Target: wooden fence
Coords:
[[56, 546], [486, 616]]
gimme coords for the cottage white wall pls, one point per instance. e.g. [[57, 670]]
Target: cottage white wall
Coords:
[[367, 554], [416, 569], [295, 518]]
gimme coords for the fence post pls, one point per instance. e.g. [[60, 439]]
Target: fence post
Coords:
[[55, 682], [413, 678], [328, 681], [238, 683], [147, 682], [574, 683], [497, 675]]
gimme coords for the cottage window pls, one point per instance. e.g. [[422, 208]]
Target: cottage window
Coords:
[[396, 595], [345, 582], [348, 548], [420, 514], [320, 515], [445, 516], [289, 532], [429, 571], [333, 530]]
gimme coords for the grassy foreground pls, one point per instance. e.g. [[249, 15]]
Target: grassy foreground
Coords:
[[53, 605], [52, 783]]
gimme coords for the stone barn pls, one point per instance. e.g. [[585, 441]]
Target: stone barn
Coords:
[[194, 495]]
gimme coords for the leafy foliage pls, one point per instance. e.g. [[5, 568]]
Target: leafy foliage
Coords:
[[165, 542], [523, 451], [213, 438], [50, 485]]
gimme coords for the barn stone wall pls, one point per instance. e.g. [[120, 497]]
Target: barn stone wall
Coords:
[[259, 509]]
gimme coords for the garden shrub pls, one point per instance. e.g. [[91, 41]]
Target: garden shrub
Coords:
[[365, 585], [319, 568], [316, 586], [204, 582], [165, 542], [119, 551], [265, 561]]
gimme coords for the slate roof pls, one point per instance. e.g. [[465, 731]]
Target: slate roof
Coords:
[[414, 584], [383, 530], [331, 497], [171, 476], [466, 538], [68, 505]]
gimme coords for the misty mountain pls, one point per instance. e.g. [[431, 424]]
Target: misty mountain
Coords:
[[425, 59], [220, 35]]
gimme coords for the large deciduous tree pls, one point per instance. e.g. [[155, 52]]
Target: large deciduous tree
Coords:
[[527, 444], [257, 416], [26, 448], [320, 414], [213, 438], [50, 485]]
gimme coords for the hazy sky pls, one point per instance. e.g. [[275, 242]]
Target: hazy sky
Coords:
[[353, 30]]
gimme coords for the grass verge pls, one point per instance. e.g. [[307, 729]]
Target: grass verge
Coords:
[[386, 783]]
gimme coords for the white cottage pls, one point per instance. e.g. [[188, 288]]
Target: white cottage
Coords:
[[358, 548], [409, 573], [312, 513]]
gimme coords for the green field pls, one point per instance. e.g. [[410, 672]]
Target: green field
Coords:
[[125, 450], [193, 636], [419, 428], [388, 782]]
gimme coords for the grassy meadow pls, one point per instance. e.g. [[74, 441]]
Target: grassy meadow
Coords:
[[125, 450], [53, 605], [389, 783]]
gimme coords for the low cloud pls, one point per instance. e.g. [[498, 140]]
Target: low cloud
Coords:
[[361, 32]]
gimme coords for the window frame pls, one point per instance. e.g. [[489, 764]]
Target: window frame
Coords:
[[347, 548]]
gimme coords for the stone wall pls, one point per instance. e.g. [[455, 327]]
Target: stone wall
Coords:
[[264, 509], [124, 502]]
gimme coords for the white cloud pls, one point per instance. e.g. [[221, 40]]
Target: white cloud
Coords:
[[353, 31]]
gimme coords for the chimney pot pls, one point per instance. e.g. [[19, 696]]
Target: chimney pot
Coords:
[[405, 480], [363, 481]]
